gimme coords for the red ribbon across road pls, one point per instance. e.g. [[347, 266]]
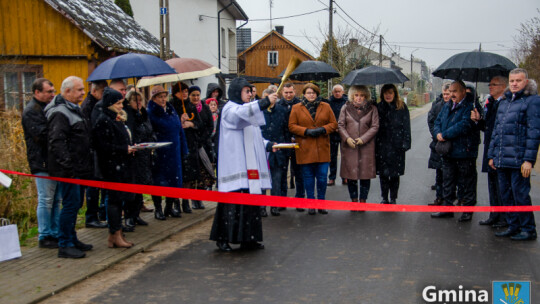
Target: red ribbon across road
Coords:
[[274, 201]]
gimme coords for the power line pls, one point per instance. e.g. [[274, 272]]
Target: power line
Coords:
[[277, 18], [365, 29], [447, 42]]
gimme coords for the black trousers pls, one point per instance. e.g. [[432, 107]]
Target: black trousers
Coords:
[[296, 171], [334, 148], [116, 202], [352, 185], [389, 184], [460, 171]]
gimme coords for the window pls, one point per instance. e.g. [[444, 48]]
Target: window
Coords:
[[273, 58], [16, 84]]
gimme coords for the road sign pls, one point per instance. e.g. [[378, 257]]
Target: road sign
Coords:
[[163, 11]]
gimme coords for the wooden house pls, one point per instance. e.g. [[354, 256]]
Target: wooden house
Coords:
[[268, 57], [58, 38]]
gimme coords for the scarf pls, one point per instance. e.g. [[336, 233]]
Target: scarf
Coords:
[[312, 106], [199, 107]]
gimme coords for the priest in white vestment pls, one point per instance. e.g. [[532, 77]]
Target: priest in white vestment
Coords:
[[242, 167]]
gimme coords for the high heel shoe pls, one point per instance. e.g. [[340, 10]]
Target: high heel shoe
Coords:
[[116, 240]]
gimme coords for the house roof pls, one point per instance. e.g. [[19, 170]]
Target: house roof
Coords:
[[234, 9], [107, 25], [282, 37]]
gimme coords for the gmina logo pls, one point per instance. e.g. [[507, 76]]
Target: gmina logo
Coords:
[[430, 294], [513, 292]]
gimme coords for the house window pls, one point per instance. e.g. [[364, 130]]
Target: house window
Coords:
[[16, 84], [273, 58]]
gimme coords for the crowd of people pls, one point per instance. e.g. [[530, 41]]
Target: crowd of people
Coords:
[[230, 144]]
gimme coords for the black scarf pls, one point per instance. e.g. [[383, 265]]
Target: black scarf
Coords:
[[312, 106]]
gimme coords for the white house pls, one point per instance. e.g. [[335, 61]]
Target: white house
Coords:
[[194, 30]]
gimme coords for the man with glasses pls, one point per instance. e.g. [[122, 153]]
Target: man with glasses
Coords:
[[497, 85], [35, 130]]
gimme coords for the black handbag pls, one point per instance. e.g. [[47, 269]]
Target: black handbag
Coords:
[[443, 147]]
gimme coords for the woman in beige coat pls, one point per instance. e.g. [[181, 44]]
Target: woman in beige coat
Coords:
[[311, 121], [358, 124]]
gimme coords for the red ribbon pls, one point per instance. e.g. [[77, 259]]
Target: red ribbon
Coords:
[[274, 201]]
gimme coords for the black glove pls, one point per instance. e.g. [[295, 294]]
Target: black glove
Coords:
[[315, 132], [264, 103], [269, 146]]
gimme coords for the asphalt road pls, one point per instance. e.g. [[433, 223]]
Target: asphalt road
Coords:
[[345, 257]]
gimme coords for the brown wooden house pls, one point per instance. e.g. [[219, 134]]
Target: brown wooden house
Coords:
[[268, 57], [58, 38]]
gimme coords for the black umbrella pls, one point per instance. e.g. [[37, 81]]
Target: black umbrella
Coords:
[[373, 75], [313, 70], [474, 66]]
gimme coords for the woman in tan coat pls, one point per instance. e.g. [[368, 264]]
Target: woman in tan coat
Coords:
[[311, 121], [358, 124]]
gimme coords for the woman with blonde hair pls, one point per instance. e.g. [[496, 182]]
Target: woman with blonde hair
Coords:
[[393, 140], [358, 124], [311, 121]]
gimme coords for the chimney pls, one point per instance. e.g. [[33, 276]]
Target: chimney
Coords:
[[279, 29], [353, 41]]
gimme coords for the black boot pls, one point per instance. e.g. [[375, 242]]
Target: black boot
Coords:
[[158, 213], [274, 211], [185, 206], [176, 205], [197, 204], [263, 212], [130, 223], [169, 211]]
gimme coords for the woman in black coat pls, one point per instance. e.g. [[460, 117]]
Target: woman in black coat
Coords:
[[141, 131], [198, 135], [393, 140], [115, 158]]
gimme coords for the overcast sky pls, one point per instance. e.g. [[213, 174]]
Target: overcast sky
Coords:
[[434, 30]]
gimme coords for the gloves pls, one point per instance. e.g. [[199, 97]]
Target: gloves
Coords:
[[351, 143], [315, 132], [359, 142], [264, 103]]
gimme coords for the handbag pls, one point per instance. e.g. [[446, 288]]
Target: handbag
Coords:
[[443, 147], [9, 238]]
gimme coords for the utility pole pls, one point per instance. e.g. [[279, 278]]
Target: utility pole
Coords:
[[330, 40], [380, 50], [164, 33]]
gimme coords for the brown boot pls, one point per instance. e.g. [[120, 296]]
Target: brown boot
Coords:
[[116, 240]]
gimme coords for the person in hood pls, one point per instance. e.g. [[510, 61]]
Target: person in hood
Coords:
[[213, 90], [513, 151], [113, 142], [242, 167], [336, 101]]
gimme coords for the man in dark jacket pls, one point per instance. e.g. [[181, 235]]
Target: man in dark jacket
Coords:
[[513, 151], [454, 124], [336, 101], [69, 157], [435, 160], [276, 130], [92, 194], [486, 124], [289, 99], [35, 129]]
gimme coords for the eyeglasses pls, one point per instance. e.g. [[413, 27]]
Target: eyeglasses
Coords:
[[494, 84], [50, 91]]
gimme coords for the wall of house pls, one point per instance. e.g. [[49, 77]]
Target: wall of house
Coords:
[[34, 36], [194, 31]]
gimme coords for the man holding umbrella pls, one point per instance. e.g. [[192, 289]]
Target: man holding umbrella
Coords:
[[513, 151]]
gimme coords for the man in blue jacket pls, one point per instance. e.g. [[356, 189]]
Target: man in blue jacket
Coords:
[[513, 150], [454, 124]]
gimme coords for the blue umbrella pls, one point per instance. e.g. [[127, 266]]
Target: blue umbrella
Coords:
[[131, 65]]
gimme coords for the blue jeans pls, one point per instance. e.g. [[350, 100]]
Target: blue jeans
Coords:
[[514, 190], [71, 203], [48, 208], [311, 172]]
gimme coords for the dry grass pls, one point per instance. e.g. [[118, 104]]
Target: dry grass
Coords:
[[17, 203]]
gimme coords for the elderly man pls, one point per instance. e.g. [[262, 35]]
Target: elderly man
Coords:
[[336, 101], [497, 85], [69, 157], [513, 151], [35, 129], [455, 125]]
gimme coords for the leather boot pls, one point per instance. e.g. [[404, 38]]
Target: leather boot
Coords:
[[185, 206], [116, 240], [169, 211], [274, 211], [158, 213], [197, 204], [176, 205]]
